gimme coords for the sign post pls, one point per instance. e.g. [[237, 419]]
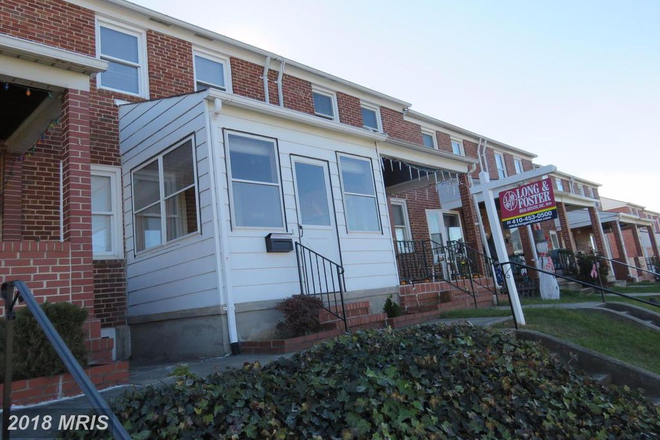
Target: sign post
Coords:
[[486, 187]]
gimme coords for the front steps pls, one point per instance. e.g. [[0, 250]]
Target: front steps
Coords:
[[359, 317]]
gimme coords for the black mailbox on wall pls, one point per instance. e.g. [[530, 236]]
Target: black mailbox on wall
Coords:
[[279, 243]]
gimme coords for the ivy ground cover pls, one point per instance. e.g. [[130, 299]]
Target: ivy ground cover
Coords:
[[429, 382]]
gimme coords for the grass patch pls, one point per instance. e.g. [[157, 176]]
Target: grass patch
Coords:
[[613, 298], [475, 313], [638, 288], [620, 340]]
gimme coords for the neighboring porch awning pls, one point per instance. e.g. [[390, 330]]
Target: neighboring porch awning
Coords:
[[581, 218]]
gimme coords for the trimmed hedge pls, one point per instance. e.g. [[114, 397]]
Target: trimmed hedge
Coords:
[[301, 316], [33, 355], [430, 382]]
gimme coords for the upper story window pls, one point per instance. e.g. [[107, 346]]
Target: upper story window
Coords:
[[560, 184], [210, 72], [123, 48], [428, 138], [457, 147], [371, 118], [165, 197], [589, 192], [499, 164], [256, 194], [518, 164], [325, 104], [360, 202], [580, 189], [107, 229]]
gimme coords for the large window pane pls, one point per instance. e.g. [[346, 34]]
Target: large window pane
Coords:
[[456, 147], [362, 213], [121, 77], [312, 194], [178, 169], [428, 140], [209, 72], [323, 105], [146, 186], [369, 118], [148, 228], [101, 194], [257, 205], [252, 159], [119, 45], [101, 233], [356, 175], [181, 214]]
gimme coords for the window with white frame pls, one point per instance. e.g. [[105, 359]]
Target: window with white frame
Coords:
[[500, 165], [560, 184], [457, 147], [580, 189], [165, 197], [400, 220], [371, 118], [428, 138], [360, 202], [325, 104], [123, 48], [107, 231], [210, 72], [516, 241], [589, 192], [256, 193], [518, 164], [554, 240]]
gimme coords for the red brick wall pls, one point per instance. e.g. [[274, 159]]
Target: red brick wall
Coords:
[[110, 292], [395, 126], [246, 79], [297, 94], [52, 22], [170, 65], [417, 201], [350, 111]]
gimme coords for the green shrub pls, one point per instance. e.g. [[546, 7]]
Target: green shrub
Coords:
[[301, 316], [431, 382], [33, 355], [392, 309], [585, 265]]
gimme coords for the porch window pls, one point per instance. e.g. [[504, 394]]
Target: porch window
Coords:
[[123, 49], [499, 164], [209, 73], [107, 240], [400, 220], [256, 194], [165, 197], [359, 192]]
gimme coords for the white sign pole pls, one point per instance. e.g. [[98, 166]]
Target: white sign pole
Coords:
[[500, 247]]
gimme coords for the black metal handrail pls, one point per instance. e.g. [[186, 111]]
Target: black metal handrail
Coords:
[[417, 261], [482, 260], [565, 261], [655, 274], [13, 292], [599, 288], [321, 277]]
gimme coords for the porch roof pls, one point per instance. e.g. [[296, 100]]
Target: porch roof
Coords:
[[580, 218]]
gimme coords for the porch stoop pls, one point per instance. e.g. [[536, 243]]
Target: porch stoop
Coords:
[[359, 317]]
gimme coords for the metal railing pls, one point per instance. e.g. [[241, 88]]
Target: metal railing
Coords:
[[564, 261], [418, 260], [655, 273], [323, 278], [486, 266], [599, 288], [17, 291]]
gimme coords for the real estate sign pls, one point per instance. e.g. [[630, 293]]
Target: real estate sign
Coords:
[[527, 204]]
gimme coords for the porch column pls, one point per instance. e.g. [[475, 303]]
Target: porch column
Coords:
[[12, 203], [621, 246], [565, 228], [639, 249], [470, 220], [529, 247], [599, 237], [76, 195], [654, 242]]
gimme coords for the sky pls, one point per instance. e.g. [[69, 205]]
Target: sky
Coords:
[[577, 83]]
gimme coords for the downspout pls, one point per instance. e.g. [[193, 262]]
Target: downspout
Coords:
[[223, 269], [481, 162], [265, 78], [279, 82], [61, 201], [485, 153]]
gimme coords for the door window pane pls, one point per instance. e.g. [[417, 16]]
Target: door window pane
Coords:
[[428, 140], [146, 186], [323, 105], [257, 205], [209, 72], [356, 176], [252, 159], [148, 228], [101, 233], [362, 213], [312, 194], [369, 118], [178, 169]]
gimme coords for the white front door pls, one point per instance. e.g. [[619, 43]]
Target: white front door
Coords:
[[315, 207]]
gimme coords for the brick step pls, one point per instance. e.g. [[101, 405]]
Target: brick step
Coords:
[[353, 310], [378, 320], [422, 309]]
